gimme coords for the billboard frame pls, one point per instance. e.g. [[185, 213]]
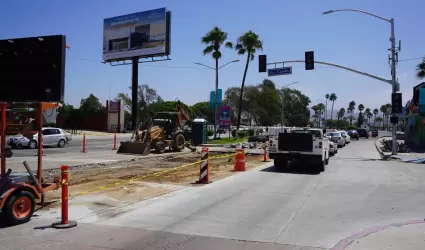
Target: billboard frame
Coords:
[[164, 56]]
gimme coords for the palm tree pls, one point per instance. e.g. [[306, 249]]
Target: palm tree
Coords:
[[248, 44], [214, 39], [326, 106], [378, 120], [388, 112], [383, 110], [321, 108], [360, 108], [350, 110], [420, 69], [375, 112], [341, 113], [367, 113], [333, 98]]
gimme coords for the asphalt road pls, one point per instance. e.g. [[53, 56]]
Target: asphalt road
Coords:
[[258, 209], [93, 143]]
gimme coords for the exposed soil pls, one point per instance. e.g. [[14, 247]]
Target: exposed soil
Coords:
[[149, 177]]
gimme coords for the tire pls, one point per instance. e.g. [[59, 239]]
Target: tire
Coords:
[[32, 144], [178, 142], [19, 208], [357, 138], [160, 147], [61, 143], [280, 163]]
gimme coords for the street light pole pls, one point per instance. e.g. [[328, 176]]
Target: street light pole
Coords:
[[393, 63], [216, 89], [282, 99]]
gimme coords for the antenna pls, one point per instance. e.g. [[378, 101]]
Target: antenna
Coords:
[[399, 45]]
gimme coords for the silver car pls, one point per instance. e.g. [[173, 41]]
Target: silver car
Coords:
[[51, 137], [337, 138]]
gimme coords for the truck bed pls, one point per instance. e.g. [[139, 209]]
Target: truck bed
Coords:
[[295, 142]]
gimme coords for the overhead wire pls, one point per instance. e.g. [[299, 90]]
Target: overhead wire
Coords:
[[192, 67]]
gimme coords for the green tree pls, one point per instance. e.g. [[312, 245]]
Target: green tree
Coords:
[[332, 98], [91, 104], [146, 97], [247, 44], [351, 108], [168, 106], [297, 113], [420, 69], [360, 120], [203, 109], [214, 39]]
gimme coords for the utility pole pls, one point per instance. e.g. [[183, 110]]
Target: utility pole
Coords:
[[394, 83]]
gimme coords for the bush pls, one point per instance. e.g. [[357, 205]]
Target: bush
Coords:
[[251, 132], [351, 127], [234, 132], [241, 134], [210, 133]]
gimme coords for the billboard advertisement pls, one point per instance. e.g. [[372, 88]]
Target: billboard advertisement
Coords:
[[141, 34], [224, 118]]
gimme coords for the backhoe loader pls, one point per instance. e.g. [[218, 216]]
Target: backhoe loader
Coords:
[[170, 130]]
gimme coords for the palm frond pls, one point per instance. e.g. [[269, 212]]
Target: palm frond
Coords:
[[208, 49], [229, 45], [216, 54]]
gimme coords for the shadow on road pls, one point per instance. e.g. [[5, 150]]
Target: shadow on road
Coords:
[[292, 169]]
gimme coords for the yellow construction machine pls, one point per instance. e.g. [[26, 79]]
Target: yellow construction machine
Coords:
[[170, 130]]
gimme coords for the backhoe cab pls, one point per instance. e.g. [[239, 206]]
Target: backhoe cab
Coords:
[[166, 130]]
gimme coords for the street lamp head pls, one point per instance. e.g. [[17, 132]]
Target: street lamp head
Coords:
[[235, 61], [328, 12]]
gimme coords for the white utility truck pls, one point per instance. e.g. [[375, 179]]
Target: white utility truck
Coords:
[[308, 146]]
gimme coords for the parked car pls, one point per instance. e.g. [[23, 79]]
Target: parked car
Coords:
[[333, 148], [337, 138], [346, 137], [363, 132], [51, 137], [375, 133], [353, 134]]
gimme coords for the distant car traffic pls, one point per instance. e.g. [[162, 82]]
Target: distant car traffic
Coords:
[[346, 137], [353, 134], [337, 138], [51, 137], [363, 133]]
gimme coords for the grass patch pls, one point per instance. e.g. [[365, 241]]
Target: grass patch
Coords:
[[226, 140]]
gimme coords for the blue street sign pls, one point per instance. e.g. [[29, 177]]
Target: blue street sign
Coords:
[[280, 71], [212, 98]]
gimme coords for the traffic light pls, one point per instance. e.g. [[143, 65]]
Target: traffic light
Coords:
[[396, 103], [262, 63], [309, 60]]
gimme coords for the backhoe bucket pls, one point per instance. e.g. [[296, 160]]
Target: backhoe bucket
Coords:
[[137, 148]]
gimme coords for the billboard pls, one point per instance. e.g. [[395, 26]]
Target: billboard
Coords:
[[141, 34], [224, 118]]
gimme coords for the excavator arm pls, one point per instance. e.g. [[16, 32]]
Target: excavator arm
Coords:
[[182, 115]]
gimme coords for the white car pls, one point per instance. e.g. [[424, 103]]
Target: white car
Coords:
[[346, 137], [337, 138], [51, 137], [333, 147]]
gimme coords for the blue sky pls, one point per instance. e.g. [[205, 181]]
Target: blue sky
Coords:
[[288, 28]]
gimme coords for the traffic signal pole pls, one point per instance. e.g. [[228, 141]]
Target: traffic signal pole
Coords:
[[394, 83]]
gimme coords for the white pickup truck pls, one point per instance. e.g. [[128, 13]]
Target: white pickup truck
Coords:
[[308, 146]]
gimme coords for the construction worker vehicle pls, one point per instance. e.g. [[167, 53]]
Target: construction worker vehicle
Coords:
[[170, 130]]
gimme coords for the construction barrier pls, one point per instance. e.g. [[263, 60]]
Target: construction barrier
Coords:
[[84, 144], [204, 167], [265, 153], [115, 141], [240, 160], [65, 222]]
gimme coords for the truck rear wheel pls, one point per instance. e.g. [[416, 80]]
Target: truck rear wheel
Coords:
[[178, 142]]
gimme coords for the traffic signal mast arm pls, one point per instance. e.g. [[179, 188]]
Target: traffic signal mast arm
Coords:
[[337, 66]]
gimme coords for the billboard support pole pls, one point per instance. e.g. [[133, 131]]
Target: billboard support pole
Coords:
[[134, 91]]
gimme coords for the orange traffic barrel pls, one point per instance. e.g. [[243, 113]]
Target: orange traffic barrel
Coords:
[[240, 160]]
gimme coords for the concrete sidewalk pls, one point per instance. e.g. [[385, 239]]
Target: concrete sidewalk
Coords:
[[408, 235]]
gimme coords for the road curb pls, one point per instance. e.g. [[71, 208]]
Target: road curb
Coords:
[[344, 243], [378, 148]]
